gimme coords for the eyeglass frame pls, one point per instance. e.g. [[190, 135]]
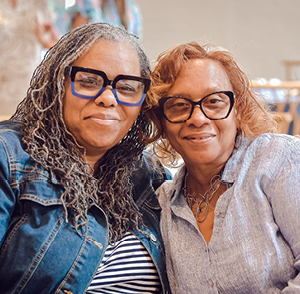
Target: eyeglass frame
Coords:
[[162, 101], [107, 82]]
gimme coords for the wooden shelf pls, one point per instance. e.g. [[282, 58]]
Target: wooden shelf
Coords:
[[290, 100], [282, 85]]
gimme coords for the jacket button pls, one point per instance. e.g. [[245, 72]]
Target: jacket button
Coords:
[[91, 200], [153, 238]]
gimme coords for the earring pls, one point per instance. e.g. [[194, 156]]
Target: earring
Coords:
[[239, 138], [161, 157]]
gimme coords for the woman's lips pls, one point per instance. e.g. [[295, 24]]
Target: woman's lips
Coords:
[[200, 137], [103, 118]]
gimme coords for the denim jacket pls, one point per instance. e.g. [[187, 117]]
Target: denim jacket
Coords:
[[42, 253]]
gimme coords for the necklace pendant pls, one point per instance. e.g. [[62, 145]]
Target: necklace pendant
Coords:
[[202, 201], [199, 209]]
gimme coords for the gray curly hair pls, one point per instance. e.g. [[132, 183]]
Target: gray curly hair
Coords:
[[51, 145]]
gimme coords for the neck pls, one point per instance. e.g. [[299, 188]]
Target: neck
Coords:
[[199, 179], [202, 202], [93, 162], [195, 187]]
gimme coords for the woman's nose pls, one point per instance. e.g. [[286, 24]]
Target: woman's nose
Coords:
[[106, 98], [197, 118]]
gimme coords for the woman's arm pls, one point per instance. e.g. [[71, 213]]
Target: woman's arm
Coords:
[[284, 195], [7, 196]]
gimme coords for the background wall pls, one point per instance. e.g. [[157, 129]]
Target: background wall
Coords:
[[261, 33]]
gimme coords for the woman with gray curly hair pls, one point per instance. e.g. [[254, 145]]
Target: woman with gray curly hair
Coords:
[[78, 209]]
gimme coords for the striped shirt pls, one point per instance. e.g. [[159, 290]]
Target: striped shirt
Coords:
[[126, 268]]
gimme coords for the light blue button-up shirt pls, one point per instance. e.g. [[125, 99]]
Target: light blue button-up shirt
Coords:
[[255, 245]]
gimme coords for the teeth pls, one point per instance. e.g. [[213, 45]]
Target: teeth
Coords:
[[200, 138]]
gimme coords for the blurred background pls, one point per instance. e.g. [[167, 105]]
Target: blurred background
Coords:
[[262, 34]]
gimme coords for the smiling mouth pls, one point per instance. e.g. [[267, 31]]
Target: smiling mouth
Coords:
[[200, 137], [101, 116], [103, 119]]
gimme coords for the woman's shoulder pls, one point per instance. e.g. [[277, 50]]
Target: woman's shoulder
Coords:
[[271, 148], [266, 152], [10, 131], [270, 142], [11, 145]]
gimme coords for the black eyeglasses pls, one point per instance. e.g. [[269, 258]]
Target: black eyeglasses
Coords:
[[215, 106], [89, 83]]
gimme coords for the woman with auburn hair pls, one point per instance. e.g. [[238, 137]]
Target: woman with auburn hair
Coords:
[[230, 218]]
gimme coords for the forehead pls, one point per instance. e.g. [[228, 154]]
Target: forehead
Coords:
[[111, 56], [201, 75]]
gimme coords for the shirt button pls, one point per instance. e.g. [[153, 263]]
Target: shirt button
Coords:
[[217, 211]]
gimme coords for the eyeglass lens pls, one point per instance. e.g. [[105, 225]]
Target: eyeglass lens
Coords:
[[89, 84], [215, 106]]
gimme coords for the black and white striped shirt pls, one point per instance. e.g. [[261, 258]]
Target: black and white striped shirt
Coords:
[[126, 268]]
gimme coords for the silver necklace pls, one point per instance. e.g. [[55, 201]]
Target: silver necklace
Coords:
[[202, 210]]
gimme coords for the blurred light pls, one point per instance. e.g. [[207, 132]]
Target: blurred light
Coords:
[[3, 19], [69, 3], [261, 81], [274, 82]]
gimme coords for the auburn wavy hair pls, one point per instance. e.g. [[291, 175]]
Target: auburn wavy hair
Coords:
[[252, 111]]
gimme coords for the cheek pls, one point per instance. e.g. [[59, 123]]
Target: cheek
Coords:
[[73, 111], [233, 120], [230, 130], [166, 129], [66, 109], [171, 132], [227, 128], [163, 129], [67, 102], [129, 114], [70, 108]]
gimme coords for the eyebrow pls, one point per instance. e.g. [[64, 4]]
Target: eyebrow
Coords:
[[208, 91]]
